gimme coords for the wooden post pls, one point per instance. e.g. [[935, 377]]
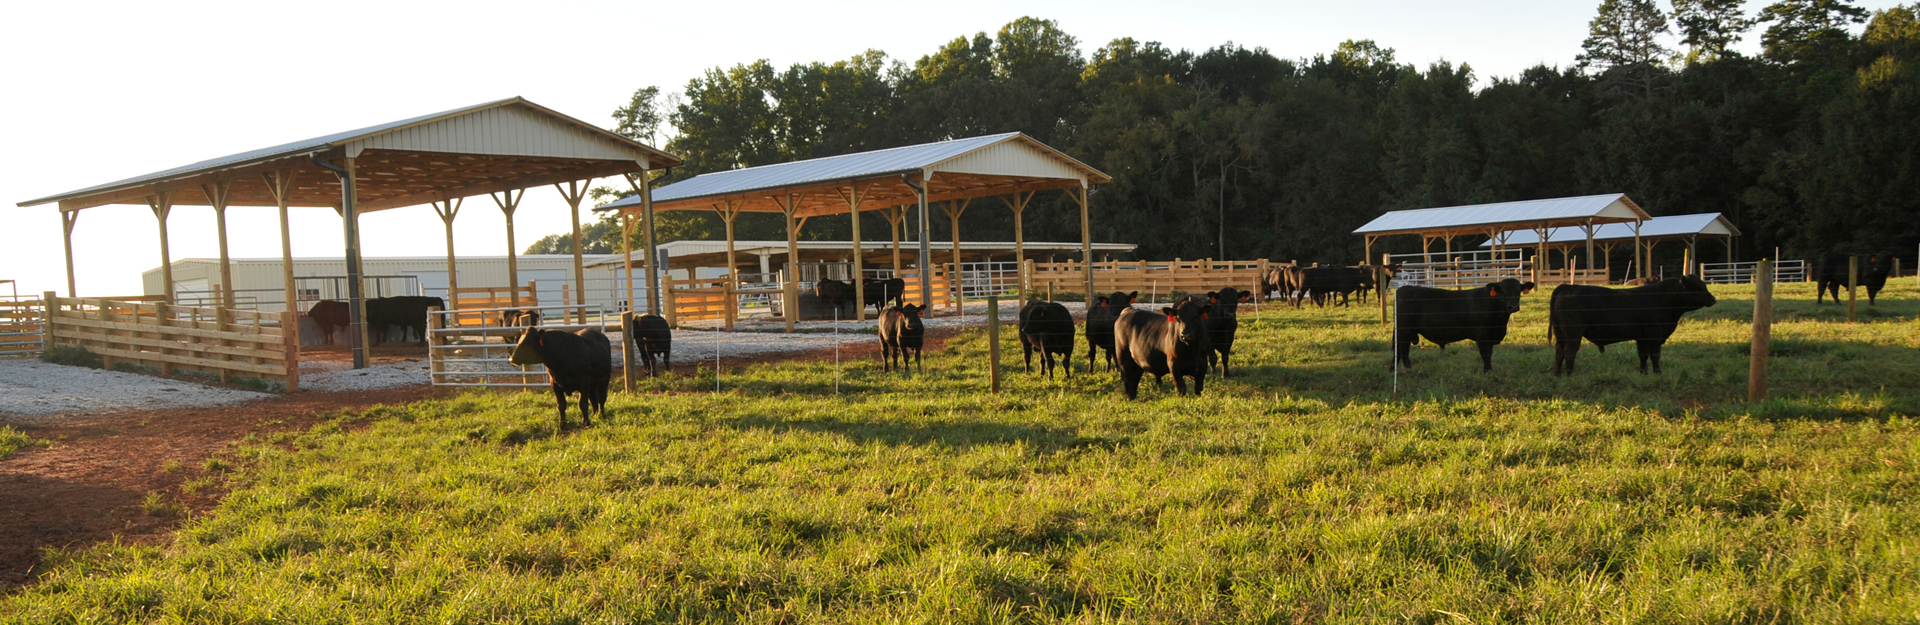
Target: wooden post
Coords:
[[626, 250], [1762, 331], [895, 215], [733, 267], [1381, 281], [163, 317], [280, 184], [49, 303], [1079, 195], [853, 197], [1853, 283], [507, 205], [290, 344], [162, 207], [993, 343], [953, 209], [644, 188], [667, 309], [789, 289], [627, 373], [573, 193], [217, 194], [1019, 206], [67, 221], [448, 210]]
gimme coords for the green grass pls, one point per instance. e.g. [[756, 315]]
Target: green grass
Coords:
[[12, 440], [1304, 490]]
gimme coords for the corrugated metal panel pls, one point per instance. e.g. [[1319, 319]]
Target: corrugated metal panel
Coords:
[[1611, 205], [1009, 158], [507, 130], [1702, 224]]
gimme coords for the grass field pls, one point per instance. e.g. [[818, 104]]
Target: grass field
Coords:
[[1303, 490]]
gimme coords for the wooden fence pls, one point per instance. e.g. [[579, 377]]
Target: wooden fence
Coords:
[[699, 300], [179, 338], [20, 331], [1151, 277]]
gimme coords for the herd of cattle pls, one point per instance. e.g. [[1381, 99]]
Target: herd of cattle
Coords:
[[1185, 340]]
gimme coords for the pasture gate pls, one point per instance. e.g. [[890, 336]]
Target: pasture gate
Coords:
[[217, 341], [1744, 273], [21, 332], [479, 354]]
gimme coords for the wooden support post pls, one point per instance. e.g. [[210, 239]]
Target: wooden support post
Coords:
[[728, 212], [573, 193], [217, 194], [290, 346], [626, 251], [1853, 283], [789, 287], [644, 188], [1382, 282], [509, 203], [1762, 331], [1079, 195], [993, 343], [954, 208], [1018, 204], [67, 221], [162, 207], [448, 210], [853, 196], [280, 184], [627, 342], [895, 215], [1639, 254]]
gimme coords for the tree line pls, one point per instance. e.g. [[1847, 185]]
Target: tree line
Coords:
[[1232, 152]]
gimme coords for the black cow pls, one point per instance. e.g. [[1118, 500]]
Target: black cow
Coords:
[[1047, 327], [526, 318], [880, 291], [579, 362], [1173, 342], [330, 315], [1646, 315], [1478, 314], [407, 312], [900, 332], [1831, 273], [652, 335], [1222, 324], [1100, 316], [1322, 283], [1285, 281], [833, 293]]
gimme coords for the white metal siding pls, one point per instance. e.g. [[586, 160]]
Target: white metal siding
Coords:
[[506, 130], [1009, 158]]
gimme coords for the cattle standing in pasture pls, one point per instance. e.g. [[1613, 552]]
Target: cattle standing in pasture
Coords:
[[577, 362], [1646, 315], [878, 292], [330, 315], [1100, 316], [1322, 283], [901, 331], [652, 335], [1222, 324], [407, 312], [1442, 316], [1047, 327], [1173, 342], [1642, 281], [1285, 281], [833, 293], [1831, 274]]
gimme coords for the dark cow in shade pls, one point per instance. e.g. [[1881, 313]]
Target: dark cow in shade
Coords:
[[653, 337], [1175, 342], [1322, 283], [524, 318], [1100, 316], [330, 315], [1831, 274], [1646, 315], [1442, 316], [901, 332], [833, 293], [878, 292], [407, 313], [577, 362], [1047, 327], [1222, 324], [1284, 281]]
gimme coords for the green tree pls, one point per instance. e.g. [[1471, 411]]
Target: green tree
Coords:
[[1709, 28], [1623, 43], [641, 118], [1807, 29]]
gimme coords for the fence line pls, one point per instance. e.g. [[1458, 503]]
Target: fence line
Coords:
[[464, 354], [171, 338], [21, 331], [1190, 276], [1744, 273]]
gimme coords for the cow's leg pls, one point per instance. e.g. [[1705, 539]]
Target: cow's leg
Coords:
[[1199, 382], [1653, 350], [919, 365], [1226, 361], [586, 402], [1641, 347], [1486, 355], [1130, 377], [1026, 349], [560, 397], [886, 356]]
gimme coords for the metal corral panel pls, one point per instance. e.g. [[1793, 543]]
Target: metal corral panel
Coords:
[[1702, 224], [506, 130], [1010, 158], [1611, 207]]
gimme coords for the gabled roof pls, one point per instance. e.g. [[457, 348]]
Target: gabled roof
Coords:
[[1668, 227], [1010, 155], [1485, 218], [358, 137]]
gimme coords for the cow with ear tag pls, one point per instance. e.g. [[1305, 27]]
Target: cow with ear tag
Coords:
[[577, 362], [1442, 316], [1223, 323], [1173, 342]]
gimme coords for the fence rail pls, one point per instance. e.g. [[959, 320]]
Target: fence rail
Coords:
[[1150, 277], [21, 332], [171, 338], [467, 355], [1743, 273]]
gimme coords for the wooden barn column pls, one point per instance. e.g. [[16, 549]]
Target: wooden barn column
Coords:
[[217, 194], [895, 215], [954, 209], [626, 250], [67, 221], [508, 204], [644, 187], [728, 212], [1079, 195], [162, 207], [448, 210], [853, 196], [280, 184], [1639, 256], [1589, 230], [573, 193], [789, 285], [1018, 203]]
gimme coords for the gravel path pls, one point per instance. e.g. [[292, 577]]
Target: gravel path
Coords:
[[30, 388], [338, 376]]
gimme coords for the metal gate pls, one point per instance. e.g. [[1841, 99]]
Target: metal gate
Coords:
[[21, 332], [1742, 273], [479, 354]]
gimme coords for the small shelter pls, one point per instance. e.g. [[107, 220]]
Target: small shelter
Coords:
[[1688, 229], [1010, 165], [1583, 214], [498, 148]]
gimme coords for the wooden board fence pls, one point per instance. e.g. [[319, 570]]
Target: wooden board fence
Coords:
[[1150, 276], [490, 297], [179, 338]]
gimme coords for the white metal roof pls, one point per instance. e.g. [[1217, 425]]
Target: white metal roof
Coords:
[[1605, 208], [1671, 226]]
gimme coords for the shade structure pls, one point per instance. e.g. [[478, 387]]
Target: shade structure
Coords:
[[499, 148], [1010, 165], [1490, 220], [1670, 227]]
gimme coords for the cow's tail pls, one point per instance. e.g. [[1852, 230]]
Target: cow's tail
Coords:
[[1553, 314]]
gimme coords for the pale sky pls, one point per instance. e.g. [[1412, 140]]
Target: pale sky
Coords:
[[100, 91]]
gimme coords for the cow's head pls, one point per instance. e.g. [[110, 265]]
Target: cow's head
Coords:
[[1689, 293], [1122, 300], [1507, 292], [1100, 301], [1226, 302], [912, 313], [1189, 317], [526, 351]]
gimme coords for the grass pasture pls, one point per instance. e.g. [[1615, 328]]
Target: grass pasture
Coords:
[[1303, 490]]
